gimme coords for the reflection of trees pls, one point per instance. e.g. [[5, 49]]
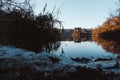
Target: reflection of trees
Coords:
[[50, 46], [82, 38], [109, 44], [66, 35]]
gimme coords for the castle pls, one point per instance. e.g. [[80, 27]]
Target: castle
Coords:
[[78, 31]]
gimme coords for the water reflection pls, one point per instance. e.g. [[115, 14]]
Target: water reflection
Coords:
[[109, 44], [42, 40], [89, 47], [82, 39], [77, 39]]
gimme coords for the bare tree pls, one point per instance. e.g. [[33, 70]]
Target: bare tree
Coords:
[[118, 8], [15, 4]]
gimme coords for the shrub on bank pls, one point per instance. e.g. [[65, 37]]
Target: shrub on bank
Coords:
[[21, 28], [110, 27]]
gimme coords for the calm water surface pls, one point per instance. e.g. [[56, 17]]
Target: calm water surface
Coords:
[[87, 49]]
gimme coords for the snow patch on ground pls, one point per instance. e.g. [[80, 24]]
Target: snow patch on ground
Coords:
[[43, 61]]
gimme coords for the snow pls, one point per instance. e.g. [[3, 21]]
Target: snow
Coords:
[[15, 57], [103, 64]]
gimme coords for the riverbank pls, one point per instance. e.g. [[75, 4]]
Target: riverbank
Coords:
[[18, 64]]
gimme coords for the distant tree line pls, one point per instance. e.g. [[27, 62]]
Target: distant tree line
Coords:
[[21, 28]]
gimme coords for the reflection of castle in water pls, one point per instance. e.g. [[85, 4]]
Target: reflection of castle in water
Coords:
[[82, 39]]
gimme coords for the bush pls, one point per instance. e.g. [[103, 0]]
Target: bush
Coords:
[[21, 28]]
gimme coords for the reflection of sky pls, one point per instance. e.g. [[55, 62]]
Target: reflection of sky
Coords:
[[83, 49]]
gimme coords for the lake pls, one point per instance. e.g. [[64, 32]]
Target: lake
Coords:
[[83, 49], [88, 48]]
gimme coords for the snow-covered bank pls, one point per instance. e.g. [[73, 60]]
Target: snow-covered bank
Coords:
[[14, 60]]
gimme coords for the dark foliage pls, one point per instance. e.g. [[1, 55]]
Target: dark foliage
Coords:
[[21, 28], [103, 59], [82, 60], [54, 59]]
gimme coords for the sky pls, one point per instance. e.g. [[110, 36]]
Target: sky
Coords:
[[78, 13]]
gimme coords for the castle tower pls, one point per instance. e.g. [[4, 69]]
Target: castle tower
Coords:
[[76, 34]]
